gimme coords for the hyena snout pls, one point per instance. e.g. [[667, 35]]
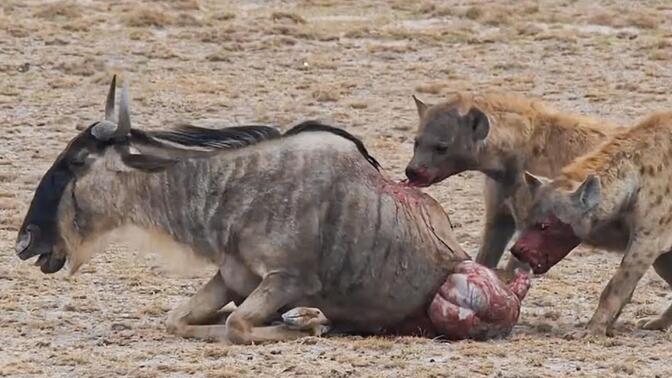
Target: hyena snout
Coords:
[[418, 175]]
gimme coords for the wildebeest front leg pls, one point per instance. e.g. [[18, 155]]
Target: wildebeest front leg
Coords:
[[663, 266], [246, 324], [309, 319], [187, 319], [499, 226]]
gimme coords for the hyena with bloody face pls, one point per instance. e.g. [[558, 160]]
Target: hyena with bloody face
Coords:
[[622, 187], [501, 135]]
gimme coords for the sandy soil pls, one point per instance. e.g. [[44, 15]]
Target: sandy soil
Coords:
[[351, 63]]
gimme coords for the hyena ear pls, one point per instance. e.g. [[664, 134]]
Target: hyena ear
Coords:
[[588, 193], [534, 182], [480, 125], [422, 107]]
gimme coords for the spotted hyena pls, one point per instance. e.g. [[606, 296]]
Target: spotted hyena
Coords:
[[501, 135], [618, 194]]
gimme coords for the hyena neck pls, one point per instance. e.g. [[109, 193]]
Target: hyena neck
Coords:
[[501, 166], [616, 196]]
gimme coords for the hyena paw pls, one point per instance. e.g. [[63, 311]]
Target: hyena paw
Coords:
[[654, 323], [307, 319], [589, 332]]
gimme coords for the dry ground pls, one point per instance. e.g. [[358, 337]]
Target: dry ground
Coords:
[[355, 63]]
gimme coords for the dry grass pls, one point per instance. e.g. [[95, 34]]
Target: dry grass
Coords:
[[474, 13], [223, 16], [61, 9], [148, 17], [286, 16], [81, 67], [643, 20], [358, 105], [183, 5], [604, 18], [431, 88], [325, 94], [661, 55]]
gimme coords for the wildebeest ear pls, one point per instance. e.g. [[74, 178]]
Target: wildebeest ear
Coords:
[[588, 194], [147, 163], [422, 107], [479, 123]]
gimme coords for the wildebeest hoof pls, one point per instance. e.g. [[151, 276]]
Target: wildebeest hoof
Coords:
[[654, 323], [174, 324], [307, 319], [175, 328]]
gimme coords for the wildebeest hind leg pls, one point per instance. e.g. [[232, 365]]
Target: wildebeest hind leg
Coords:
[[187, 319], [246, 324]]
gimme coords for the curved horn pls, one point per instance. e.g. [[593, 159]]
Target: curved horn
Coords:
[[109, 105], [107, 128], [124, 113]]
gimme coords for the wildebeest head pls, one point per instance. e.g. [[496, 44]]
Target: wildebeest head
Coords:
[[558, 219], [77, 198], [447, 142], [40, 233]]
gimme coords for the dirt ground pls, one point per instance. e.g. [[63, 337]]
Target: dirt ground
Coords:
[[354, 63]]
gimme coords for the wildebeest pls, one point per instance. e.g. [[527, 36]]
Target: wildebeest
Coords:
[[302, 220]]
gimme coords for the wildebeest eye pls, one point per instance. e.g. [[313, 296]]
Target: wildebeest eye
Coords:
[[543, 226], [79, 159], [440, 149], [77, 162]]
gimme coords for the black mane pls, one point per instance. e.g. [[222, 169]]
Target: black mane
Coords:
[[308, 126], [188, 137]]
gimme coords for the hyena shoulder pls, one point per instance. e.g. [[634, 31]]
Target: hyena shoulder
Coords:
[[540, 136]]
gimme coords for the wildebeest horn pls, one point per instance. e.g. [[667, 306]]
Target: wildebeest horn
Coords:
[[124, 113], [109, 105], [109, 128]]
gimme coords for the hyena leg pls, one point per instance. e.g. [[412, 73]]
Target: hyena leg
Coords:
[[499, 226], [202, 308], [639, 257], [246, 324], [663, 266]]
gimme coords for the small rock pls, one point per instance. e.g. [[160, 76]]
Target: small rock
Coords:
[[119, 327]]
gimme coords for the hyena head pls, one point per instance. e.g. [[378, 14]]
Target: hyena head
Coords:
[[559, 218], [67, 208], [448, 141]]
